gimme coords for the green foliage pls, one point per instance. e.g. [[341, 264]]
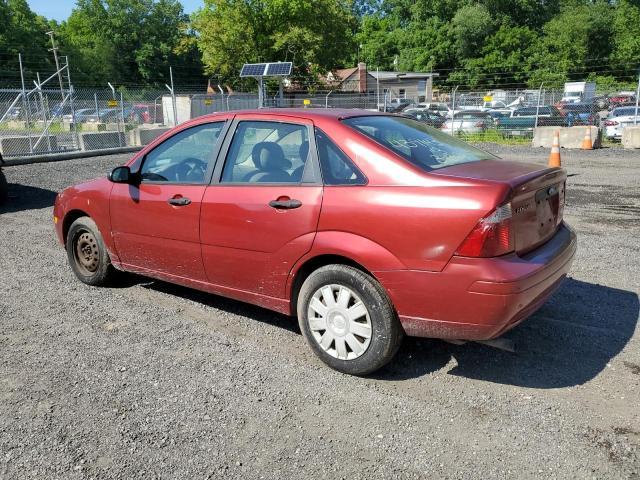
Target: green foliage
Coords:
[[471, 43], [22, 31], [130, 41], [316, 35]]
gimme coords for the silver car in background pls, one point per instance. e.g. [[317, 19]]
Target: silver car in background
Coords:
[[467, 121], [619, 118]]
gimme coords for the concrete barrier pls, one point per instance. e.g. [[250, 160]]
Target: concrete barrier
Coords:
[[16, 125], [144, 135], [570, 137], [101, 140], [93, 127], [16, 146], [631, 137]]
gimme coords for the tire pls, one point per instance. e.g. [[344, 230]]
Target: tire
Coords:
[[88, 255], [328, 288], [4, 187]]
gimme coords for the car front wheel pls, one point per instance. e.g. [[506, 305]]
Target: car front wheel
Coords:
[[348, 320], [87, 253]]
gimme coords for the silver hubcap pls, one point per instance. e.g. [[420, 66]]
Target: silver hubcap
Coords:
[[339, 322]]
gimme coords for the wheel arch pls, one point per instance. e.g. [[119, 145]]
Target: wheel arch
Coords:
[[311, 264], [69, 218]]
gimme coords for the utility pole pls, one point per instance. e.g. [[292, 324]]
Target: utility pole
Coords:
[[54, 49]]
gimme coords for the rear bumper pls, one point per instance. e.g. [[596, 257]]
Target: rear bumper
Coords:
[[479, 298]]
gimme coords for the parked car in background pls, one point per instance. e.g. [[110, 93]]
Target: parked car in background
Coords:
[[523, 120], [468, 121], [103, 115], [394, 105], [80, 115], [621, 99], [580, 114], [428, 117], [365, 226], [618, 119], [139, 113], [14, 113]]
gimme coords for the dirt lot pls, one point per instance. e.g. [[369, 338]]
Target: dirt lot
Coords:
[[150, 380]]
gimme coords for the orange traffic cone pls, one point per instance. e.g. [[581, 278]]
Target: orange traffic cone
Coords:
[[586, 143], [554, 158]]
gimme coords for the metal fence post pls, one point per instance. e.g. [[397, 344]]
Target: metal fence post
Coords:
[[173, 99], [44, 112], [538, 104], [24, 104], [635, 118], [453, 108], [124, 125], [72, 106]]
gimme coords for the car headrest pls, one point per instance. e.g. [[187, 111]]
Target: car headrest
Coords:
[[304, 151], [269, 156]]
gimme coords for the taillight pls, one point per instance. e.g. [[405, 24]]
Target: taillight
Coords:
[[492, 236], [610, 123], [480, 125]]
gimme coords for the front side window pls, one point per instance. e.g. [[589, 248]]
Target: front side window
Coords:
[[423, 146], [183, 158], [337, 168], [267, 152]]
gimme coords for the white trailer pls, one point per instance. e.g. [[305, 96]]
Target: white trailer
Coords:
[[575, 92]]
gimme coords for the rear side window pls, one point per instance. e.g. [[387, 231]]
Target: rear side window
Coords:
[[423, 146], [337, 168]]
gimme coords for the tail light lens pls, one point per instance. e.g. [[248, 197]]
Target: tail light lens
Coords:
[[610, 123], [491, 237]]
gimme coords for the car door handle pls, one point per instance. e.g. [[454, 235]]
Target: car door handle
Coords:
[[285, 204], [179, 201]]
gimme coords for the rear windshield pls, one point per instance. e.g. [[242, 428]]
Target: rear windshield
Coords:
[[423, 146]]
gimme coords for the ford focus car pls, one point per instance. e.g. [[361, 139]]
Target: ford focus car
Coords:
[[365, 226]]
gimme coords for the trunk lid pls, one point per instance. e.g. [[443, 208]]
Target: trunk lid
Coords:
[[537, 196]]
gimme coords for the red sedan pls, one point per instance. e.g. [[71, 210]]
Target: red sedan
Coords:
[[366, 226]]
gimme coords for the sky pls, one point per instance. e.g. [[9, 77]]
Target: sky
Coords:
[[61, 9]]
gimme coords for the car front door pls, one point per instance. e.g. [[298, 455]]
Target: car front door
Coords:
[[261, 211], [155, 224]]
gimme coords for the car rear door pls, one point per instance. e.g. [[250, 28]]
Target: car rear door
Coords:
[[155, 224], [261, 211]]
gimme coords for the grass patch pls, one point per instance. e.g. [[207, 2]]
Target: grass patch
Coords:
[[494, 136]]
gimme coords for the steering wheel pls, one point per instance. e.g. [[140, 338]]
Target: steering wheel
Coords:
[[191, 170]]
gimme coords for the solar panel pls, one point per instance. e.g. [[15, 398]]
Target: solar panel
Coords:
[[253, 70], [280, 68]]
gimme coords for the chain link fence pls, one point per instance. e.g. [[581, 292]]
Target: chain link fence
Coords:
[[54, 120]]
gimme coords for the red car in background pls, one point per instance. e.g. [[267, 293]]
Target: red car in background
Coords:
[[365, 226]]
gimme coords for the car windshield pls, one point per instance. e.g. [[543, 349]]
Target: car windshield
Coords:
[[423, 146]]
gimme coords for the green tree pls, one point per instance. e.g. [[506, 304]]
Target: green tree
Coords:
[[22, 31], [317, 35], [130, 41]]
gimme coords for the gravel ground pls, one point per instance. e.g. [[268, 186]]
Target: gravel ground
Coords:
[[151, 380]]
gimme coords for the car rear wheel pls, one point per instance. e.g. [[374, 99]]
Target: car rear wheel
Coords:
[[348, 320], [87, 253]]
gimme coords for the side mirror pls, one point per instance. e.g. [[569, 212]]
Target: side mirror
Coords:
[[121, 175]]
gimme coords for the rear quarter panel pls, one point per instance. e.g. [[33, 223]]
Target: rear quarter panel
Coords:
[[420, 226]]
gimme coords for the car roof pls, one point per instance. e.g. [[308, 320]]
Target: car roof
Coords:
[[305, 113]]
